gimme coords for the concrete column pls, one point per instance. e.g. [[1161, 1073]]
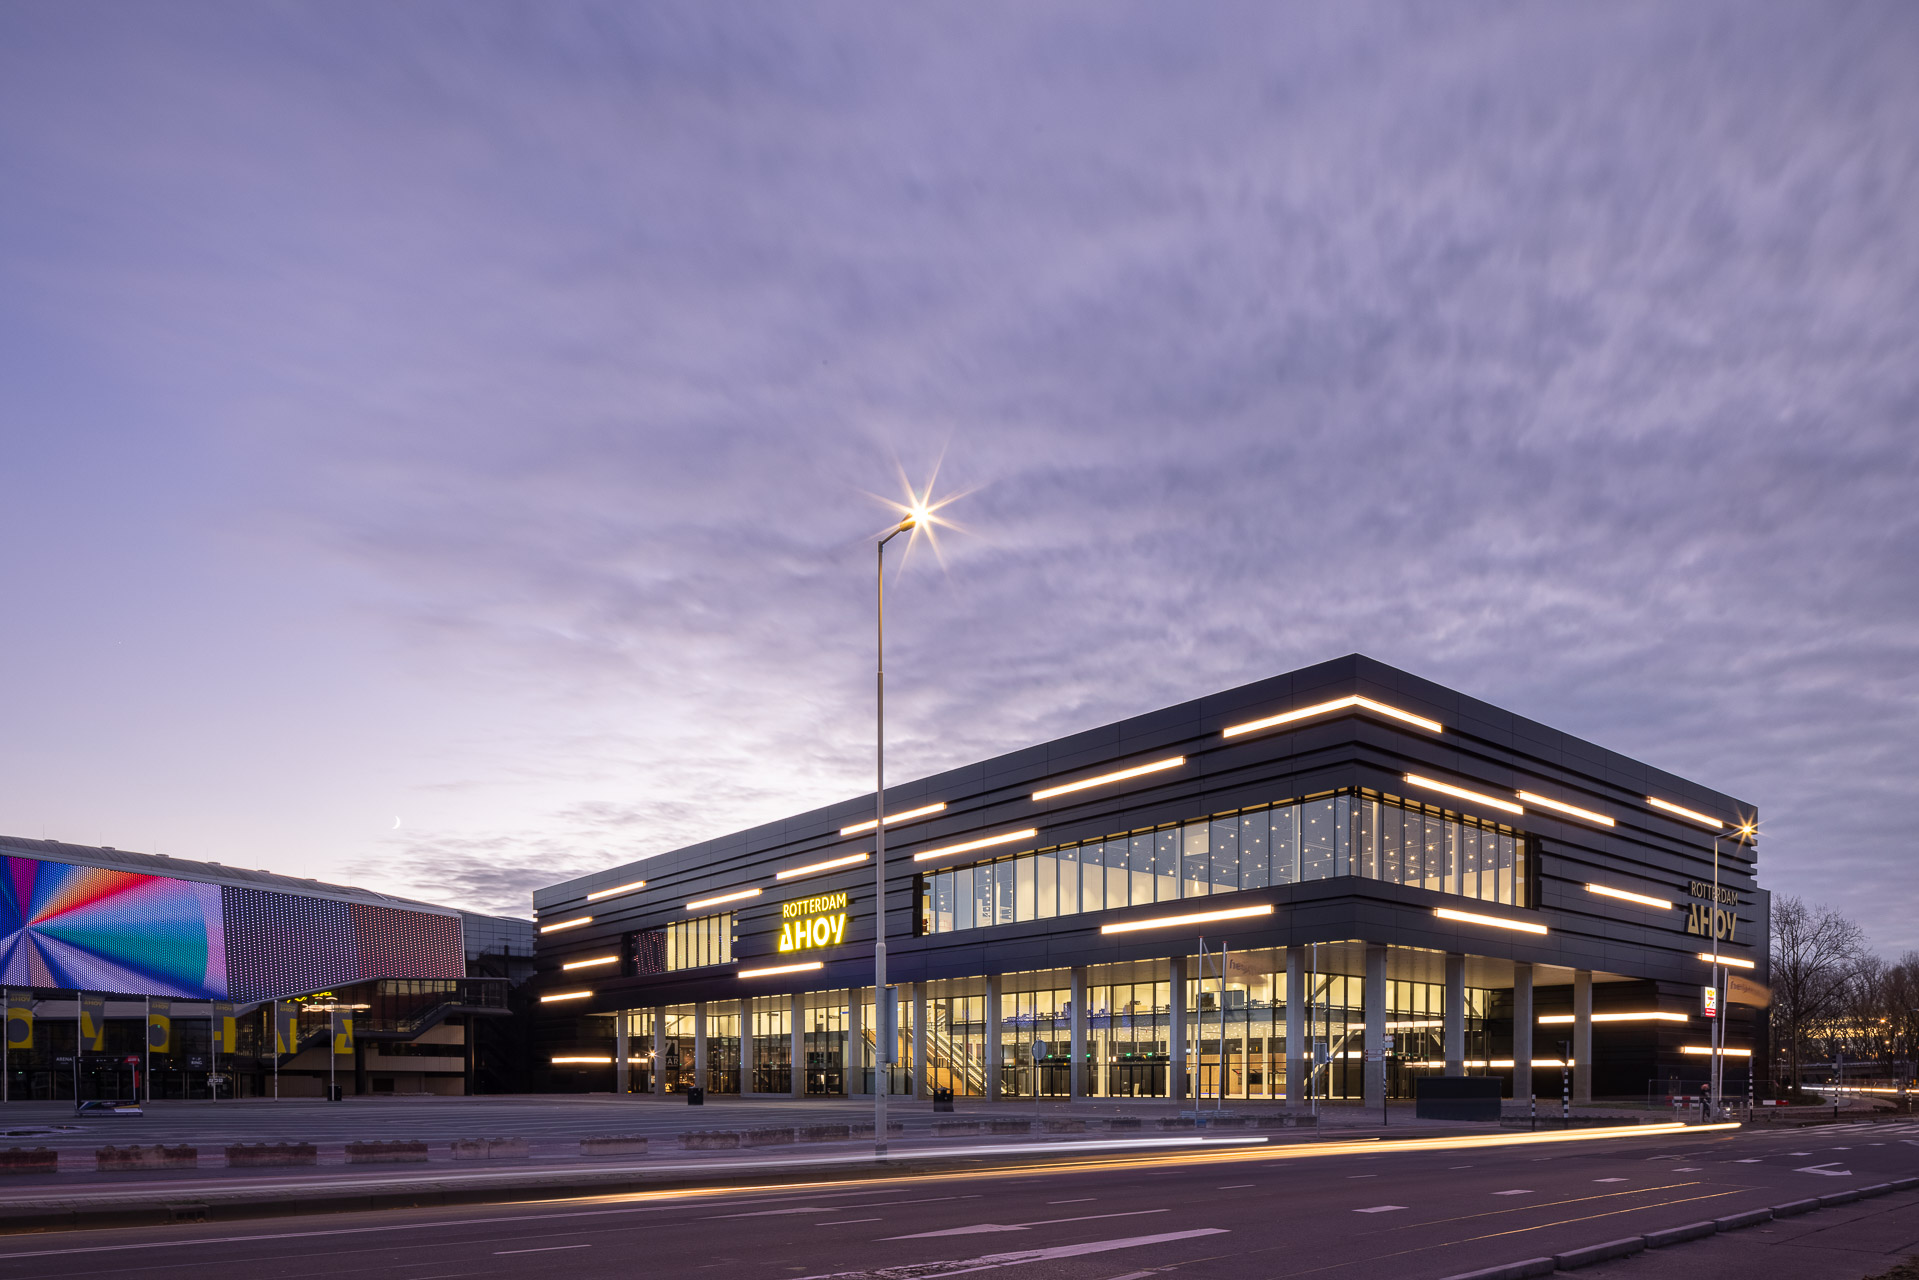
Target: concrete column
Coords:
[[699, 1044], [1455, 1015], [659, 1051], [622, 1070], [922, 1087], [796, 1043], [746, 1047], [856, 1041], [1582, 1035], [1375, 997], [1177, 1031], [993, 1050], [1296, 1026], [1522, 1032], [1081, 1077]]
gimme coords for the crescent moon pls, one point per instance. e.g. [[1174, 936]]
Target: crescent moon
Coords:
[[396, 823]]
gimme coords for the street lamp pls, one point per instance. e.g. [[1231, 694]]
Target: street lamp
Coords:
[[1742, 833], [883, 1038], [331, 1009]]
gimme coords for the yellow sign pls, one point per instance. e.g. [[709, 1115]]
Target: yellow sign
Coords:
[[813, 922], [160, 1026]]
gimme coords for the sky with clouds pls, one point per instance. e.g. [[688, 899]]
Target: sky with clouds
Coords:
[[439, 439]]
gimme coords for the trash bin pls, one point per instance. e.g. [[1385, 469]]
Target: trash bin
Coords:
[[335, 1092], [696, 1097], [942, 1100]]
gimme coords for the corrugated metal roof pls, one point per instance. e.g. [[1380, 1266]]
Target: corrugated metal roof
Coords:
[[159, 864]]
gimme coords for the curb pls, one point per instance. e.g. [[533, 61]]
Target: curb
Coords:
[[1573, 1259]]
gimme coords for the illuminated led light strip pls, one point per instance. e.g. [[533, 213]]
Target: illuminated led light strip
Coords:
[[1563, 807], [828, 865], [1104, 778], [1469, 917], [1706, 1051], [971, 845], [597, 894], [1696, 816], [1552, 1019], [587, 1060], [1606, 891], [891, 818], [1434, 784], [724, 897], [588, 964], [1324, 708], [574, 923], [565, 995], [1201, 917], [1493, 1063], [1707, 956], [782, 968]]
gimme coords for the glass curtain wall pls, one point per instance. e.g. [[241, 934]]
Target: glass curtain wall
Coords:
[[1036, 1043], [1129, 1035], [723, 1048], [899, 1074], [1415, 1018], [823, 1032], [1250, 1058], [678, 1067], [772, 1045], [956, 1039]]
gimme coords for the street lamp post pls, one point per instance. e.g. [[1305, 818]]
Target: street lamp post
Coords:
[[887, 1036], [1721, 1009]]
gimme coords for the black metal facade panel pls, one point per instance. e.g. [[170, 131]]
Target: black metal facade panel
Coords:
[[1482, 748]]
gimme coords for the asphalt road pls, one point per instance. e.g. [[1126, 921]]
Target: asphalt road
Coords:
[[1428, 1211]]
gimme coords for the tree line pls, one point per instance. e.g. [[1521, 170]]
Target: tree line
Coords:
[[1831, 996]]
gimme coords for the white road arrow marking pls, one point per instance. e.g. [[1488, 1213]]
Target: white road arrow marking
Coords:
[[1825, 1170], [992, 1261]]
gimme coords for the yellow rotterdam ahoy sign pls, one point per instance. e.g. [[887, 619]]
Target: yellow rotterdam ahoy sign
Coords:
[[813, 922]]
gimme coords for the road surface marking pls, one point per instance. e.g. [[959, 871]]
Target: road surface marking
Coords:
[[984, 1227], [1362, 1175], [1081, 1200], [994, 1260], [1753, 1160], [1382, 1208], [846, 1222], [1523, 1191], [1691, 1168], [1608, 1179], [1825, 1170], [1238, 1186], [551, 1248]]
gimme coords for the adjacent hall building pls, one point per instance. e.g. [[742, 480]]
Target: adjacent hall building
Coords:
[[1320, 885]]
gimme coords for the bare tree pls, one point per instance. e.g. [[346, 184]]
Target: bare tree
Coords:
[[1815, 950]]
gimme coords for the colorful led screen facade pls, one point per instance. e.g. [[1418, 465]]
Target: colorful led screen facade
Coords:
[[99, 929]]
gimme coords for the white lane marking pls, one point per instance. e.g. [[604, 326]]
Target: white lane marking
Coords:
[[774, 1213], [1462, 1166], [1691, 1168], [1523, 1191], [551, 1248], [1799, 1153], [1838, 1148], [1608, 1179], [1238, 1186], [1081, 1200], [1382, 1208], [1362, 1175], [981, 1228], [845, 1222], [1753, 1160], [1825, 1170], [993, 1261]]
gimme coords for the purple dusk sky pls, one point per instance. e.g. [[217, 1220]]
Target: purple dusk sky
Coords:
[[438, 436]]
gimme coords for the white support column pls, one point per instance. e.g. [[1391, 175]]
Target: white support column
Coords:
[[1177, 1031], [1081, 1076], [622, 1069], [921, 1077], [796, 1044], [1582, 1035], [659, 1051], [699, 1044], [1296, 1026], [1375, 1044], [1522, 1032], [855, 1065], [993, 1049], [1455, 1015]]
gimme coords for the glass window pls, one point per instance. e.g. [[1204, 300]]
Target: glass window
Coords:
[[1023, 888], [1343, 835], [1512, 863], [1069, 899], [1469, 861], [1253, 867], [1139, 859], [1118, 880], [963, 898], [1366, 839], [1195, 879], [1317, 841], [1436, 853], [1003, 891], [1389, 829], [942, 921], [983, 896], [1166, 864], [1455, 858], [1283, 844], [1046, 880], [1225, 854], [1412, 866]]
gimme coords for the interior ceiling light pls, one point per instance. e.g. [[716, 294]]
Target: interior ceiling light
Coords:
[[1563, 807], [1470, 917], [565, 995], [1199, 917], [597, 894], [1104, 778], [1707, 956], [828, 865], [1607, 891], [781, 968], [1706, 1051], [1433, 784], [574, 923], [1551, 1019], [1325, 708], [588, 964], [891, 818], [582, 1061], [1694, 814], [970, 845], [735, 896]]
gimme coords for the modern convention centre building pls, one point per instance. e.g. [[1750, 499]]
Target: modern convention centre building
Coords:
[[1401, 880]]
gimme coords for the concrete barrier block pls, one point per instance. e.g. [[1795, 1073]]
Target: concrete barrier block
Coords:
[[1522, 1270], [397, 1152], [1175, 1122], [1793, 1208], [824, 1132], [948, 1128], [110, 1159], [1125, 1122], [1010, 1126], [1226, 1122], [627, 1144], [767, 1137], [1837, 1198], [866, 1130], [1624, 1247], [25, 1160], [1679, 1235], [1063, 1126], [1750, 1218], [271, 1155], [489, 1148], [710, 1140]]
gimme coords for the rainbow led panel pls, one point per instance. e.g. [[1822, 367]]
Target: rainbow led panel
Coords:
[[95, 929]]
